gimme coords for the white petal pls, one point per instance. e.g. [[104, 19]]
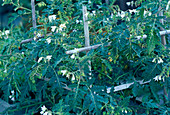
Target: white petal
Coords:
[[128, 3], [43, 108], [12, 91], [72, 56], [153, 59], [167, 7], [53, 28], [13, 99], [7, 32], [73, 78], [38, 35], [46, 113], [160, 60], [108, 90], [48, 57], [48, 40], [40, 59], [34, 38], [63, 72]]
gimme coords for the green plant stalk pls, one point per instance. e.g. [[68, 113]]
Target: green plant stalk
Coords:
[[27, 106]]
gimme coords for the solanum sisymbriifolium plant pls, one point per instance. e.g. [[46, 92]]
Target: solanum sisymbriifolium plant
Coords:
[[40, 77]]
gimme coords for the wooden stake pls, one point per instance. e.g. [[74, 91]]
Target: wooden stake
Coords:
[[86, 32], [163, 40], [33, 14]]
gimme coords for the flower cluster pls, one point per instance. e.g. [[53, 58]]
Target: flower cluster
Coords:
[[45, 111], [68, 74], [5, 33], [159, 60], [48, 58], [12, 95]]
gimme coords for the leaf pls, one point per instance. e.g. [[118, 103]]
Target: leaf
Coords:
[[137, 49], [101, 99], [107, 64], [57, 62], [151, 44], [154, 90], [135, 90], [86, 102], [150, 71], [91, 107]]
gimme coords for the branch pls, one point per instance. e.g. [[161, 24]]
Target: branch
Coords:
[[96, 46], [126, 86], [161, 33], [85, 48], [5, 55], [90, 47], [64, 87]]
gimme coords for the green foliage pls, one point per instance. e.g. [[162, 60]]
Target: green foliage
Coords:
[[41, 73]]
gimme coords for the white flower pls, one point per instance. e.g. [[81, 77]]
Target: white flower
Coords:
[[102, 89], [48, 57], [111, 16], [40, 59], [94, 12], [160, 60], [125, 111], [53, 28], [154, 59], [94, 92], [64, 34], [147, 13], [74, 30], [157, 78], [47, 113], [90, 86], [34, 38], [89, 77], [108, 89], [7, 32], [12, 92], [5, 71], [51, 18], [63, 72], [72, 56], [122, 14], [43, 108], [73, 78], [42, 112], [128, 19], [77, 21], [22, 53], [38, 35], [13, 99], [128, 3], [48, 40], [68, 75], [62, 25], [134, 10], [167, 7]]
